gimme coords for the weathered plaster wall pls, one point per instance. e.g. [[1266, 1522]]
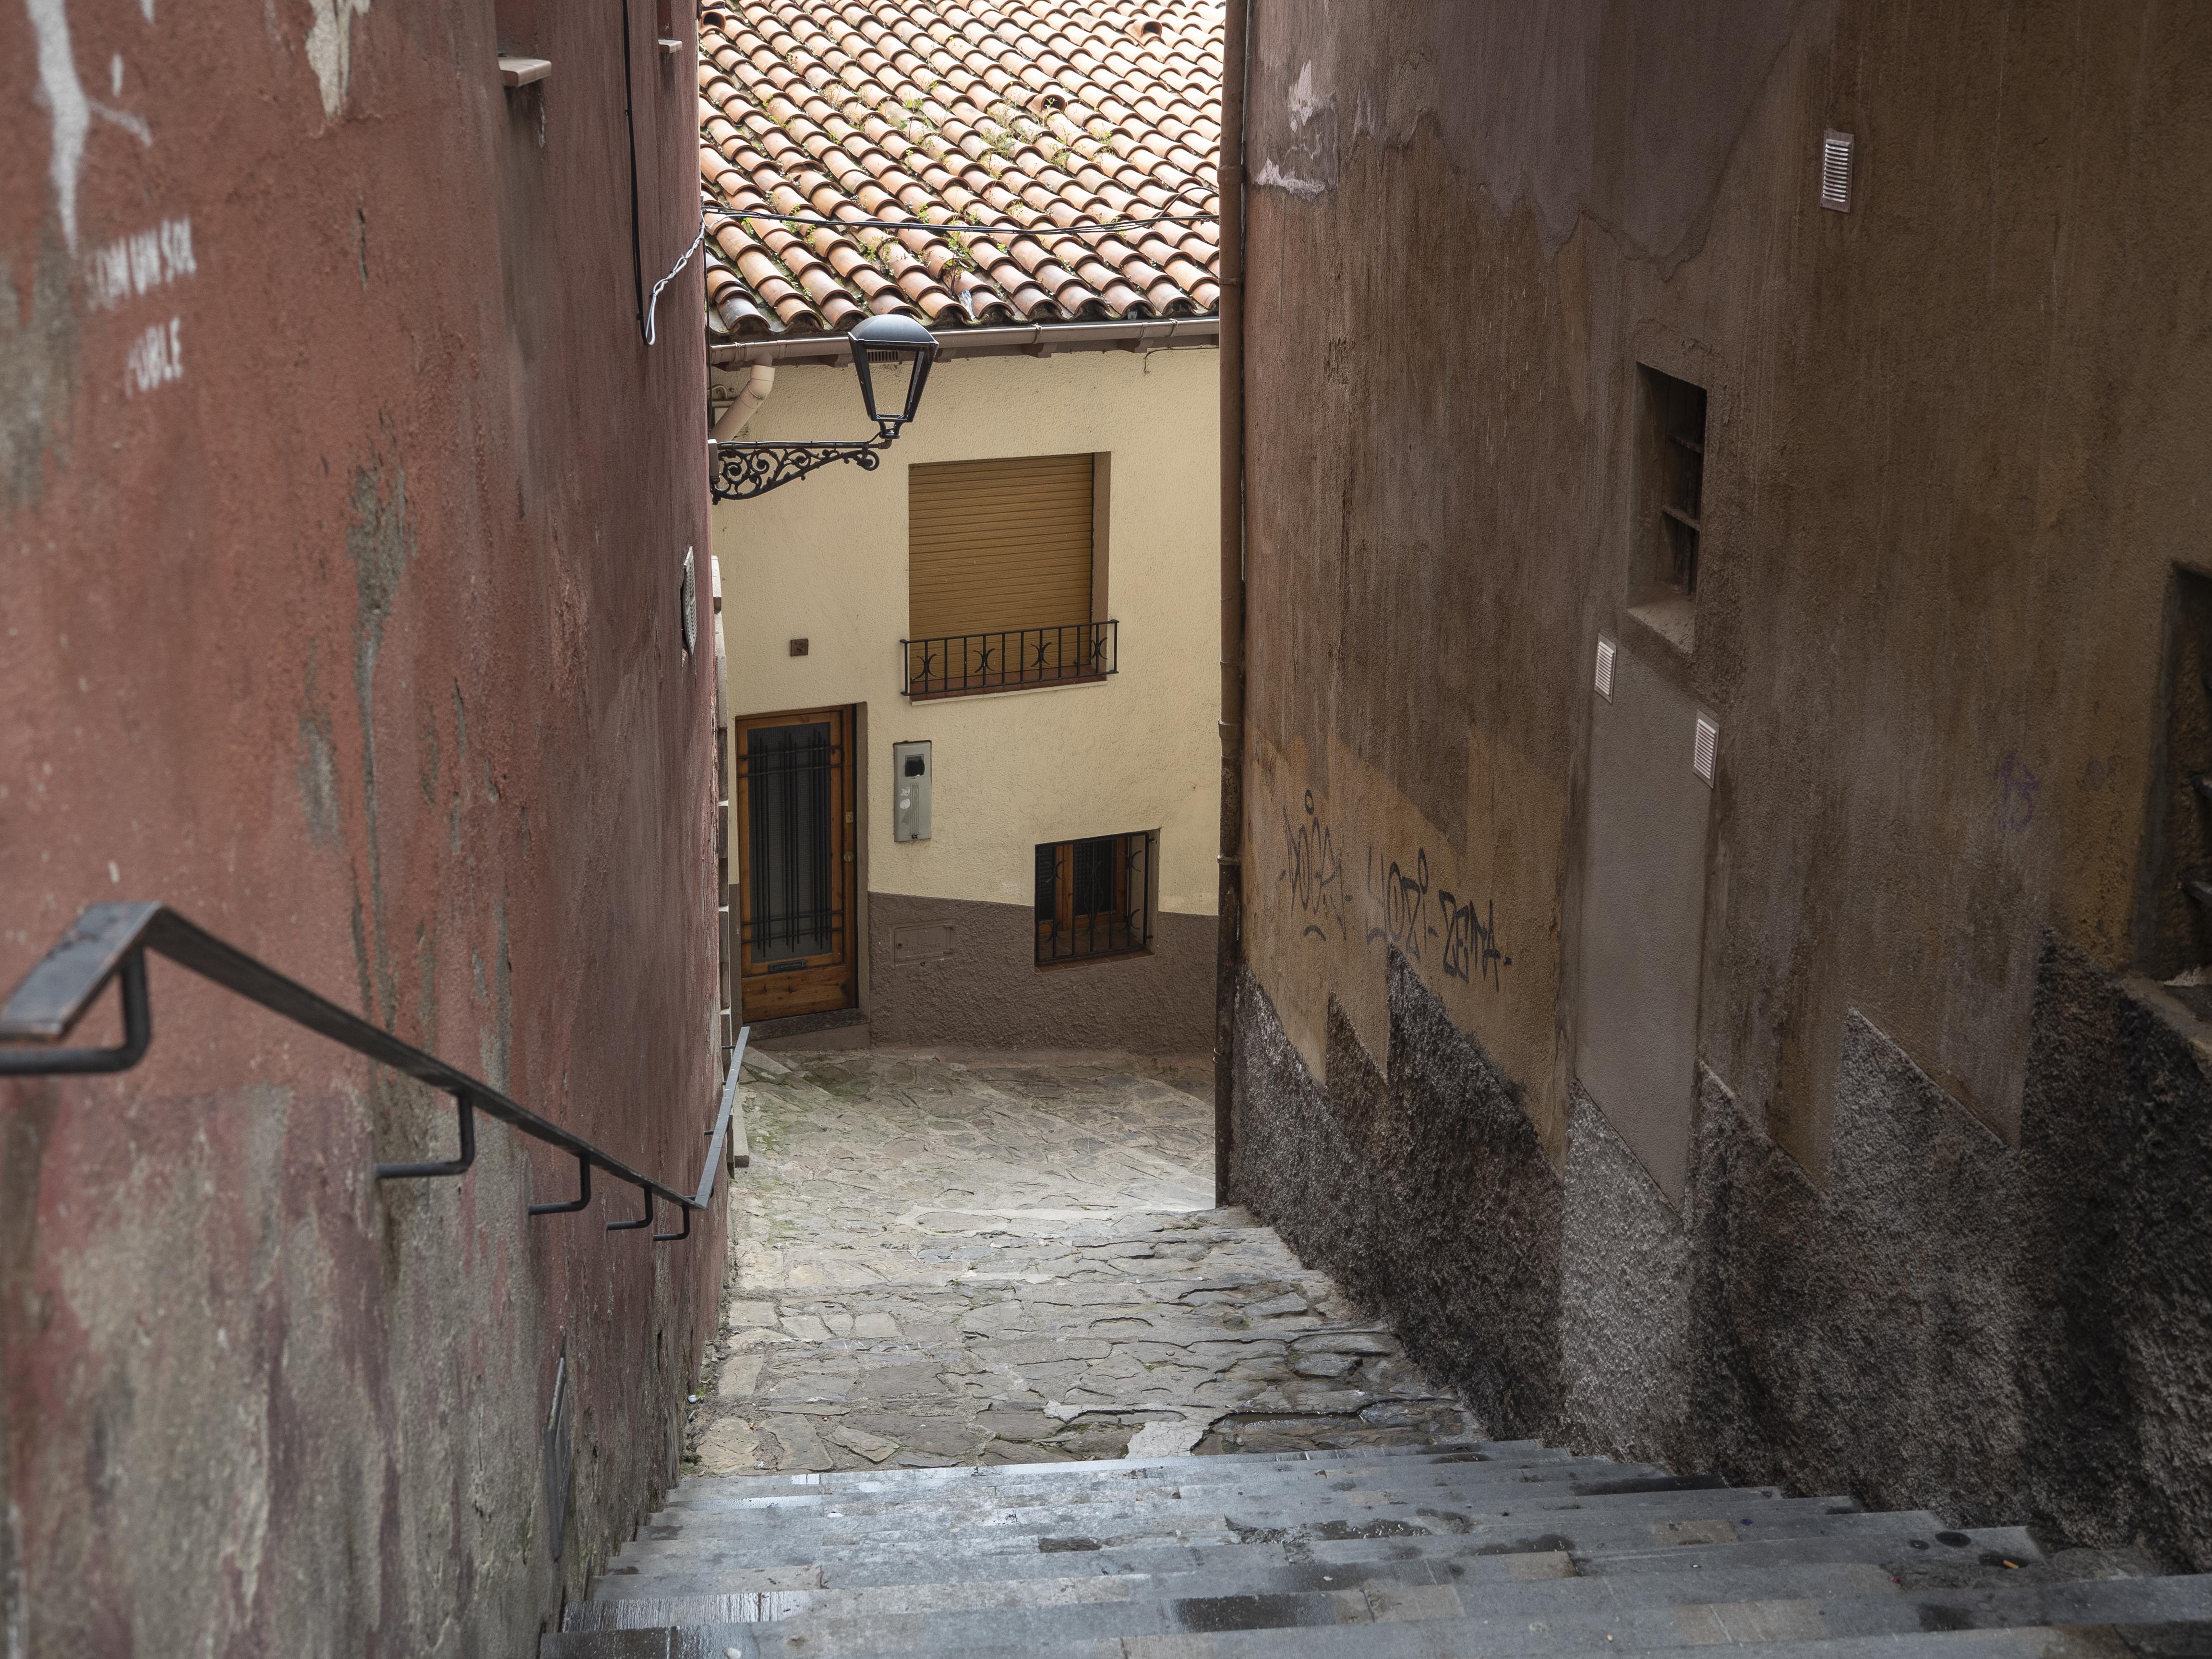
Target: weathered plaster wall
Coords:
[[342, 519], [1954, 451], [2001, 1333]]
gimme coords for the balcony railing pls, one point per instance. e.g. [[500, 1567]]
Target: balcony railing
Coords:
[[1008, 658]]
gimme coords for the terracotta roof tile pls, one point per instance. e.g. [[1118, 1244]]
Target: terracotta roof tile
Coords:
[[1006, 121]]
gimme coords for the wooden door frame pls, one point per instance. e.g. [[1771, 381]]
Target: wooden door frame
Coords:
[[829, 981]]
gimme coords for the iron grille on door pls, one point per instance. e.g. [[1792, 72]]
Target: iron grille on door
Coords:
[[1093, 897], [794, 875]]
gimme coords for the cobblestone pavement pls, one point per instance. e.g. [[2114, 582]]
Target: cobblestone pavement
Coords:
[[1014, 1260]]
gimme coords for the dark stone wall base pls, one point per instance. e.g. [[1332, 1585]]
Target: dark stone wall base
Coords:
[[2002, 1335], [988, 993]]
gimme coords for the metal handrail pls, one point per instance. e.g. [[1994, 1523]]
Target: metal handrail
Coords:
[[110, 941]]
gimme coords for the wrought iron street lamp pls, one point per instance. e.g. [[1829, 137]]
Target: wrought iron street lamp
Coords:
[[745, 470]]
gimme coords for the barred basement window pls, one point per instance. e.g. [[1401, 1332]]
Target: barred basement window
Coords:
[[1094, 898]]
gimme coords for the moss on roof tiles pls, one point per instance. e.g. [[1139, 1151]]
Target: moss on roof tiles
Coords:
[[1003, 122]]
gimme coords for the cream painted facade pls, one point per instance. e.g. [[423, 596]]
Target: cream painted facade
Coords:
[[825, 559]]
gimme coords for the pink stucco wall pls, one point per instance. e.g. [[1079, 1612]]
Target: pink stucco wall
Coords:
[[342, 515]]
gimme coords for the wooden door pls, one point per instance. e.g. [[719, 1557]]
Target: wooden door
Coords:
[[797, 881]]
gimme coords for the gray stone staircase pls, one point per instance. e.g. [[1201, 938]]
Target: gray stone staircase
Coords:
[[1478, 1550]]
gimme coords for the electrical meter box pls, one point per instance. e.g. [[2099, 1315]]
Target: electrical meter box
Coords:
[[910, 770]]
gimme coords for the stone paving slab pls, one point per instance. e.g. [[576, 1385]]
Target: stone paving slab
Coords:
[[1004, 1260]]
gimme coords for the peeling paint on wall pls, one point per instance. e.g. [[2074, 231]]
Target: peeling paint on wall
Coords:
[[38, 371], [1306, 164], [379, 542], [330, 49], [319, 778], [67, 108]]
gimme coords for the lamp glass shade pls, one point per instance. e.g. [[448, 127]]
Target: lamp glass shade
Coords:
[[897, 339]]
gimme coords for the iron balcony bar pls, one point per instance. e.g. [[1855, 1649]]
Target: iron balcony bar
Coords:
[[1008, 658], [110, 941]]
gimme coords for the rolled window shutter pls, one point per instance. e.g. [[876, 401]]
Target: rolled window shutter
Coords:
[[998, 544]]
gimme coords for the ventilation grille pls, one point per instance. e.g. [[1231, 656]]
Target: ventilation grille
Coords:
[[1705, 746], [1835, 171], [1605, 667]]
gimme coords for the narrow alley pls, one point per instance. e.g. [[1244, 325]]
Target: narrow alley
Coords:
[[1162, 830], [977, 1322], [1014, 1260]]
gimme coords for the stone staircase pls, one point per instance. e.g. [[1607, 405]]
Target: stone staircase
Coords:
[[1476, 1550]]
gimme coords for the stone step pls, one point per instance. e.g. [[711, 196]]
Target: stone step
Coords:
[[1436, 1621], [857, 1495], [1496, 1511], [1881, 1538], [885, 1482], [1571, 1481], [1043, 1558], [1993, 1556], [974, 1551], [1515, 1509], [1526, 1582], [1529, 1451]]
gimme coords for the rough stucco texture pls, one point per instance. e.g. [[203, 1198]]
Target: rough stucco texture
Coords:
[[1425, 1189], [1952, 452], [1999, 1334], [342, 513], [987, 991]]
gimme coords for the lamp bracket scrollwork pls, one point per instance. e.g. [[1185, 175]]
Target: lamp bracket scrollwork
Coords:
[[742, 470]]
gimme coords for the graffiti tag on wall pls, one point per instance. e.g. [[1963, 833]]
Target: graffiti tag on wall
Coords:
[[2016, 787], [1403, 908], [1313, 873], [1470, 945], [1398, 908]]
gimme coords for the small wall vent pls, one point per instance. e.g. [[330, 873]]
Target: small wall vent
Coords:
[[1605, 667], [1704, 748], [1835, 171]]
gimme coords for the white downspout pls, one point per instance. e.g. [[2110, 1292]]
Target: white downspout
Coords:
[[750, 397]]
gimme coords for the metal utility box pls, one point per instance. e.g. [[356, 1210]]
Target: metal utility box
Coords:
[[910, 772]]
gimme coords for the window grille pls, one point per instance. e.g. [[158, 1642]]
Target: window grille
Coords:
[[1094, 898]]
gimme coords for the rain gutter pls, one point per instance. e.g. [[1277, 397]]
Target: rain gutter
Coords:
[[1033, 340]]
